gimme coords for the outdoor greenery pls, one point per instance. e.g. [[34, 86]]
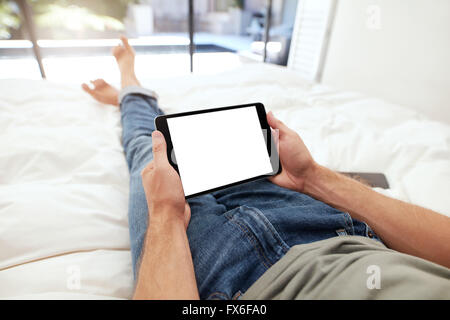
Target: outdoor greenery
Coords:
[[112, 8], [239, 4], [68, 19], [8, 20], [65, 18], [58, 21]]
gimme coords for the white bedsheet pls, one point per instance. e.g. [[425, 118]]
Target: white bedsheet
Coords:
[[64, 179]]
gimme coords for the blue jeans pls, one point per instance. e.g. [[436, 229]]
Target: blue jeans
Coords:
[[235, 234]]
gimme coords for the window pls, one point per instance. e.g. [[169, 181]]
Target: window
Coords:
[[75, 36]]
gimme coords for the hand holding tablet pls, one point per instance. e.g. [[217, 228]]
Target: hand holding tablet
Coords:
[[217, 148]]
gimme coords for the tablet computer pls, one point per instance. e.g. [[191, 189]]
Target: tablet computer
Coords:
[[213, 149]]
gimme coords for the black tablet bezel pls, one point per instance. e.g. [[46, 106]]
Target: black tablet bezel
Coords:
[[161, 125]]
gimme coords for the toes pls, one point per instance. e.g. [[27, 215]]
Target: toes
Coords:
[[116, 51], [98, 82], [124, 46], [86, 88], [125, 42]]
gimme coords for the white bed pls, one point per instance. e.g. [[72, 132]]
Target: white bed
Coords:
[[64, 179]]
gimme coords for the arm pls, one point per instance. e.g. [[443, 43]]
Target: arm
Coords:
[[402, 226], [166, 270]]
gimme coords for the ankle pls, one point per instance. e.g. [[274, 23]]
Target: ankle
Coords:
[[129, 79]]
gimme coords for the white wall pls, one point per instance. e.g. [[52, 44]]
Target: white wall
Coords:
[[403, 57]]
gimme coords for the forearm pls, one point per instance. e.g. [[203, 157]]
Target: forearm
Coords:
[[404, 227], [166, 270]]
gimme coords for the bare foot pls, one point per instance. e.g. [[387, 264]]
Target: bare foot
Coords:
[[103, 92], [124, 55]]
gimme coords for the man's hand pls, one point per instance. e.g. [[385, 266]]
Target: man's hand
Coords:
[[162, 185], [296, 161], [166, 270], [402, 226]]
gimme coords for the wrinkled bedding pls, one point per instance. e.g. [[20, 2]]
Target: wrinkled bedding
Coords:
[[64, 179]]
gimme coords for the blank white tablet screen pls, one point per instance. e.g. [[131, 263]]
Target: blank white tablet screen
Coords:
[[218, 148]]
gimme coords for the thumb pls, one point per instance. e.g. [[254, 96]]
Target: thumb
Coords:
[[276, 124], [159, 147]]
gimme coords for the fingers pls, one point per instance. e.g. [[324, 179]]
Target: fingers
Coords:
[[276, 179], [276, 137], [159, 148], [274, 122], [277, 124]]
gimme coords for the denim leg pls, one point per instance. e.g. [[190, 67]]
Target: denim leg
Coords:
[[297, 217], [235, 234], [230, 249], [254, 225], [138, 112]]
